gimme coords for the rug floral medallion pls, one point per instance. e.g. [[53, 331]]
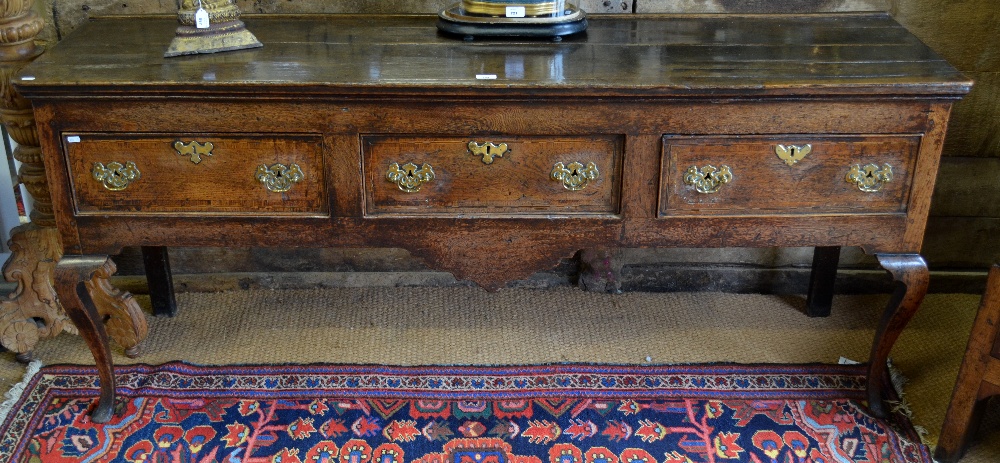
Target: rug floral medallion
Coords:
[[533, 414]]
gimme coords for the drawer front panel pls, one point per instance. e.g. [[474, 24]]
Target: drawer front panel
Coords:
[[516, 176], [730, 175], [205, 174]]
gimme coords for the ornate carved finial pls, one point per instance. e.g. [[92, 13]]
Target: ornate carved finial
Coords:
[[225, 31], [19, 25]]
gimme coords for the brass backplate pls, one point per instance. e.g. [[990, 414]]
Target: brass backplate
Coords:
[[115, 176]]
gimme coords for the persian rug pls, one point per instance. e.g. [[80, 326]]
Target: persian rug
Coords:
[[569, 413]]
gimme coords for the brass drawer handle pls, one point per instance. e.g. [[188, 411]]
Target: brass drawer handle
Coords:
[[194, 150], [115, 176], [869, 178], [488, 150], [409, 178], [792, 154], [575, 176], [279, 178], [708, 179]]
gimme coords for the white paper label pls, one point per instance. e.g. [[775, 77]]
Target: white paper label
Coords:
[[28, 78], [486, 76], [515, 11], [201, 19], [73, 139]]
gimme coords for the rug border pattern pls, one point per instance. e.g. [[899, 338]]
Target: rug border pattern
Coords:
[[702, 381]]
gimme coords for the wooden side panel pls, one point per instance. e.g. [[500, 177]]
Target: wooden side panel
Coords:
[[924, 175]]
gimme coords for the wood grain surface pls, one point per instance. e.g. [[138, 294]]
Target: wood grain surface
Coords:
[[518, 183], [763, 183], [618, 55], [223, 182]]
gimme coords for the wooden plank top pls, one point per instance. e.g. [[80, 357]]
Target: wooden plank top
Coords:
[[619, 55]]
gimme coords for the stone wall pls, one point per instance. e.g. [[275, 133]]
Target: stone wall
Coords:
[[963, 230], [64, 15]]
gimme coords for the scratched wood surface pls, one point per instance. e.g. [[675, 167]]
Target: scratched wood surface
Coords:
[[618, 55]]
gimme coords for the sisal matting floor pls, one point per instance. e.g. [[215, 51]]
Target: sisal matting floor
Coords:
[[471, 326]]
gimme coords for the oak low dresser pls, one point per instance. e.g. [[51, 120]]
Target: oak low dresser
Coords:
[[491, 159]]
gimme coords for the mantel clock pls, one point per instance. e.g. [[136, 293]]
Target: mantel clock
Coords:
[[531, 18]]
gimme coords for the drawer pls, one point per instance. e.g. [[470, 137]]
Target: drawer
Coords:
[[209, 174], [732, 175], [494, 175]]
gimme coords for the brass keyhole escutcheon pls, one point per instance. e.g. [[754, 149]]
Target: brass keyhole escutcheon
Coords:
[[409, 178], [115, 176], [575, 176], [869, 178], [488, 150], [279, 178], [708, 179], [792, 154], [194, 150]]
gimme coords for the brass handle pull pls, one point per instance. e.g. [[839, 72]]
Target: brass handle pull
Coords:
[[409, 178], [708, 179], [488, 150], [869, 178], [792, 154], [575, 176], [279, 178], [194, 150], [115, 176]]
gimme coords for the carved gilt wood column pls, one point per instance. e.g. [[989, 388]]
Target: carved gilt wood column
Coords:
[[32, 312]]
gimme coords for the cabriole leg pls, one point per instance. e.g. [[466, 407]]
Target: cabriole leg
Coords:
[[71, 277], [910, 275]]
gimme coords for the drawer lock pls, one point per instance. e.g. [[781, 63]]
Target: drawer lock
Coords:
[[279, 178], [708, 179], [488, 150], [792, 154], [869, 178], [115, 176], [409, 178], [574, 176]]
